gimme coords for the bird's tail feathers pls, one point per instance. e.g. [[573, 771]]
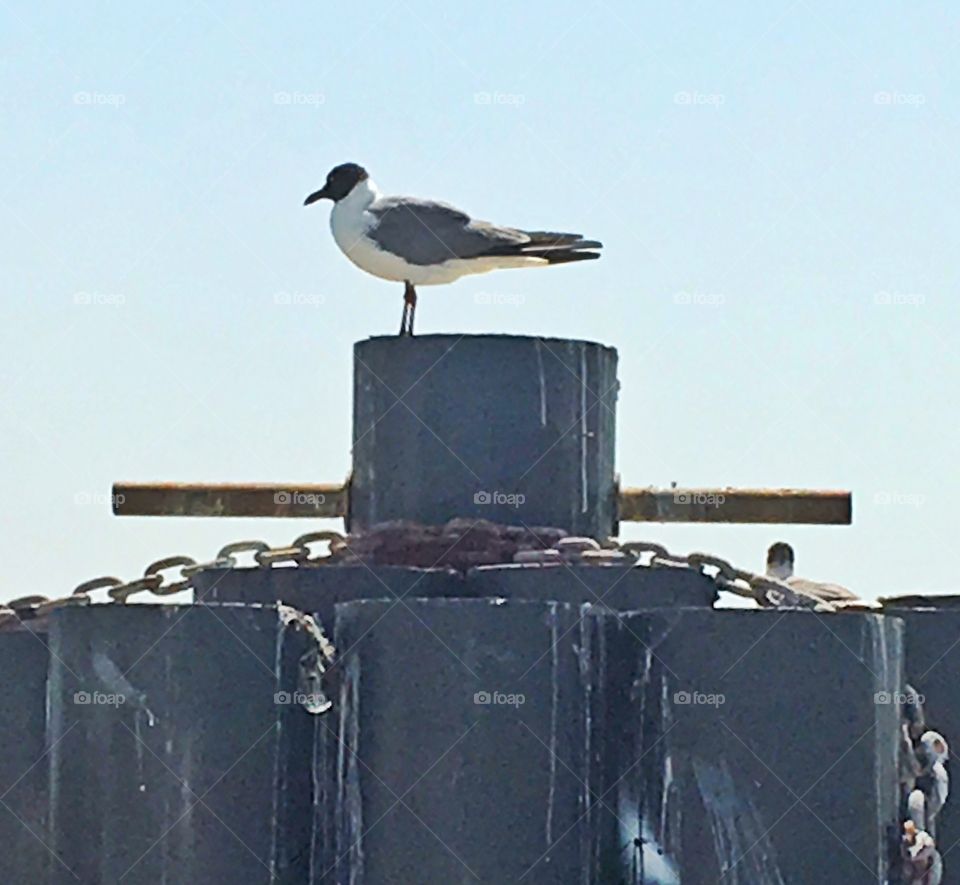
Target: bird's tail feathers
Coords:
[[554, 247], [551, 238], [559, 256], [578, 244]]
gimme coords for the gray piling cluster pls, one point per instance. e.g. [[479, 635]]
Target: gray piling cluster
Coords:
[[551, 723]]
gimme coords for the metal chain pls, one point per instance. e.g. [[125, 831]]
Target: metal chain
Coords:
[[762, 589], [174, 574], [27, 608]]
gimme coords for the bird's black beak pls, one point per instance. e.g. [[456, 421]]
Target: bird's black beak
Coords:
[[316, 195]]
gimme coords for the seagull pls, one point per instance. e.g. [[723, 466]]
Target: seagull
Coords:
[[932, 750], [922, 863], [780, 567], [425, 243], [926, 801]]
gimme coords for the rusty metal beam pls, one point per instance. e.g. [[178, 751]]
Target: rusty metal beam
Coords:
[[736, 506], [319, 501], [300, 500]]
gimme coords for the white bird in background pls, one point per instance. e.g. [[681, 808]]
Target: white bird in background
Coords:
[[922, 863], [425, 243], [933, 748], [780, 561], [932, 783], [926, 801]]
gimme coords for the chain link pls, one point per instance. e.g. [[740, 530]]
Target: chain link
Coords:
[[638, 548], [156, 569], [188, 571], [336, 542], [96, 584], [26, 602], [229, 550], [276, 555], [140, 585], [707, 560]]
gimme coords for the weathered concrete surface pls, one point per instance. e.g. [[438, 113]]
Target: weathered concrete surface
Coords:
[[461, 425], [932, 667], [743, 747], [437, 785], [622, 588], [23, 763], [173, 759], [320, 589]]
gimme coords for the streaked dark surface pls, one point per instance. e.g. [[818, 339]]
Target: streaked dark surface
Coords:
[[791, 779], [449, 425], [932, 668], [319, 589], [23, 768], [199, 775], [438, 787]]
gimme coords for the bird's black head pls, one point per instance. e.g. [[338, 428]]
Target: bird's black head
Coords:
[[780, 554], [340, 181]]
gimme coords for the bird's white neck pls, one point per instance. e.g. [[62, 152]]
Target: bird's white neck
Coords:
[[363, 194], [780, 571], [350, 220]]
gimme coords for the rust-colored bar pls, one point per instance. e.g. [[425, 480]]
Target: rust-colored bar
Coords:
[[297, 500], [736, 506], [319, 501]]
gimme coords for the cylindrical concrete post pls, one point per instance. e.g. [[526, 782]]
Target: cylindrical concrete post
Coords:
[[517, 430], [932, 668], [461, 724], [178, 750], [728, 746], [23, 768]]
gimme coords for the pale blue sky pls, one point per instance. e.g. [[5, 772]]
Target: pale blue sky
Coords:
[[789, 166]]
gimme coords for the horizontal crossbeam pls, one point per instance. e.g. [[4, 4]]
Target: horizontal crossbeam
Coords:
[[801, 506], [326, 501], [229, 499]]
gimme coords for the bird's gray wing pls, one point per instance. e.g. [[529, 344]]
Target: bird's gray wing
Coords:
[[427, 232], [826, 592]]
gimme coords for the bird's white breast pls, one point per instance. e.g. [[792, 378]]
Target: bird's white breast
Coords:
[[350, 221]]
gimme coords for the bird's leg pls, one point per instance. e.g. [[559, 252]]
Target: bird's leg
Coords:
[[412, 296], [406, 309], [409, 308]]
